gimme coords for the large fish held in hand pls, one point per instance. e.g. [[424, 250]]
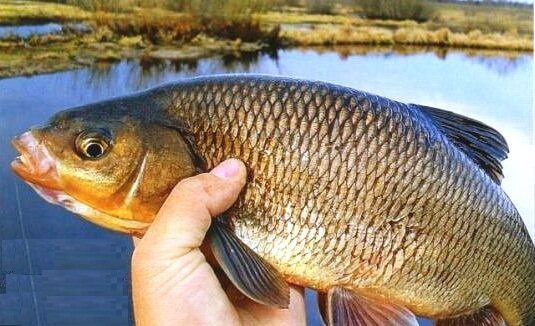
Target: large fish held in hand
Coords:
[[388, 210]]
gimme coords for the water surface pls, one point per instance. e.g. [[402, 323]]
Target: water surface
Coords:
[[25, 31], [60, 270], [28, 30]]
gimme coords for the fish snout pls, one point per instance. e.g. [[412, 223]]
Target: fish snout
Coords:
[[34, 164]]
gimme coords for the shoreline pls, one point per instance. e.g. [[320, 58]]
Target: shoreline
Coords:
[[46, 64], [57, 52]]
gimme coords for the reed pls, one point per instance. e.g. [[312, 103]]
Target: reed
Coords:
[[163, 27], [348, 34]]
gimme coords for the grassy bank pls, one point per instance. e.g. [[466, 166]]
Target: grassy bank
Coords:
[[464, 26], [184, 33], [48, 54]]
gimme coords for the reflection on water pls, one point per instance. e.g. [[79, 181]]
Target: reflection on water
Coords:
[[502, 62], [59, 269], [501, 65]]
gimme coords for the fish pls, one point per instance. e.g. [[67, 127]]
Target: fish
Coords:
[[388, 210]]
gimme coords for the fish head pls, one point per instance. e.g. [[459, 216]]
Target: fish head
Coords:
[[111, 165]]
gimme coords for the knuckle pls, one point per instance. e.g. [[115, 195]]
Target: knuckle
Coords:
[[200, 186]]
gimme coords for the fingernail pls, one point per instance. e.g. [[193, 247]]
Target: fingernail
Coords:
[[227, 169]]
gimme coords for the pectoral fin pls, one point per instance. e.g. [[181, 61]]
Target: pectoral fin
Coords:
[[250, 273], [344, 307], [487, 316]]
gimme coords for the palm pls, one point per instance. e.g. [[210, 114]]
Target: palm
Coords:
[[188, 288], [173, 281]]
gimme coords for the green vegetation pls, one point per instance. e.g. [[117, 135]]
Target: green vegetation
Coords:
[[185, 30]]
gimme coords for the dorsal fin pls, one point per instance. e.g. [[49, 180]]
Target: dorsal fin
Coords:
[[486, 316], [484, 145]]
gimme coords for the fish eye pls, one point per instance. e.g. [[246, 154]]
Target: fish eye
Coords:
[[93, 144]]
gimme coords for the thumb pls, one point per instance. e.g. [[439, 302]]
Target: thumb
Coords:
[[185, 217]]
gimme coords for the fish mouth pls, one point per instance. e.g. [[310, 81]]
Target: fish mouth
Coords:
[[35, 165]]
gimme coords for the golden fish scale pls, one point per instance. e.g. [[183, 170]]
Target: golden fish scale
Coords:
[[350, 189]]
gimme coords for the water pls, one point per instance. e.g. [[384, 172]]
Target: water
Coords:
[[58, 269], [25, 31], [28, 30]]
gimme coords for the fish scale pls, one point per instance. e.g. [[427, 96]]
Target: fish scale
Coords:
[[326, 157]]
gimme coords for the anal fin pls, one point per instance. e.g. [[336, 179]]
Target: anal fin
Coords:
[[487, 316], [342, 307], [249, 272]]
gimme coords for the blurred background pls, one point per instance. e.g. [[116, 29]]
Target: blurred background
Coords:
[[470, 57]]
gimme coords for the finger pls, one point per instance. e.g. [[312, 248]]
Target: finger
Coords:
[[185, 216]]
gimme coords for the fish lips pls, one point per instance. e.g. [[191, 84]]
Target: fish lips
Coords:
[[35, 165]]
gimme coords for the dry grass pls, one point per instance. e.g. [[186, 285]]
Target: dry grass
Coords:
[[486, 18], [24, 12], [473, 39], [165, 27], [337, 35], [154, 26], [277, 17], [348, 34]]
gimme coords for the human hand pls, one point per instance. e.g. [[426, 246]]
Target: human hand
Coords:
[[172, 280]]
